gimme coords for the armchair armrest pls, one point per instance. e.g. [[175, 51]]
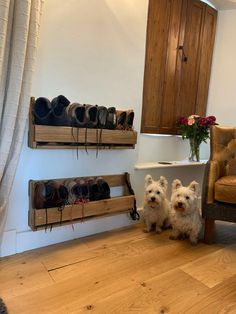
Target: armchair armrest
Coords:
[[213, 176]]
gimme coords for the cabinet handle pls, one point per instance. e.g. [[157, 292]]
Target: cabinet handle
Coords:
[[184, 57]]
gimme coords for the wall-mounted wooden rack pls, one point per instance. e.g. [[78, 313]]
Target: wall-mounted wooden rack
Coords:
[[41, 218], [46, 136]]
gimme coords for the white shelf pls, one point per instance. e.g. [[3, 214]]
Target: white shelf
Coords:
[[168, 164]]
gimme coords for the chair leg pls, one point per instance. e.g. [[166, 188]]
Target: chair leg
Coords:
[[209, 230]]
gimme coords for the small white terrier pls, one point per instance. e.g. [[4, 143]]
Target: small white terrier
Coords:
[[185, 216], [156, 209]]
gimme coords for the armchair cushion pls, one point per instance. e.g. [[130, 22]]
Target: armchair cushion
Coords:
[[225, 189]]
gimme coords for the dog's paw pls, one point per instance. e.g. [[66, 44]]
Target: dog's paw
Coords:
[[173, 237], [158, 230], [193, 241], [146, 230]]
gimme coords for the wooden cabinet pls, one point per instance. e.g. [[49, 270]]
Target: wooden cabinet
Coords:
[[180, 39]]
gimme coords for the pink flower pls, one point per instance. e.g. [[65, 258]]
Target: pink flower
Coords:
[[192, 119]]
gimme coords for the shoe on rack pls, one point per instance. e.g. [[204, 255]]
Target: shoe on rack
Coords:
[[91, 115], [121, 117], [76, 114], [129, 120], [94, 194], [56, 194], [103, 188], [70, 184], [111, 118], [42, 111], [59, 112], [102, 117], [39, 195], [84, 190]]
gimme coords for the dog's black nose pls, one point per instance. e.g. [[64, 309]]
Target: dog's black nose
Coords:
[[152, 199], [180, 204]]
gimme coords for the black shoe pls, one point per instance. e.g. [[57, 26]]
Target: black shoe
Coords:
[[56, 194], [102, 117], [94, 194], [91, 115], [111, 118], [76, 113], [59, 112], [103, 188], [42, 111]]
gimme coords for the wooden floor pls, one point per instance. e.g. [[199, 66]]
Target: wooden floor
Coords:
[[124, 271]]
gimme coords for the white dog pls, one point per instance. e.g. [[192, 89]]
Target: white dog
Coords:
[[156, 209], [185, 216]]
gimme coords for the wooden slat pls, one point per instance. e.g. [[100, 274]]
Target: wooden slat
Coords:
[[31, 136], [76, 211], [82, 146], [113, 180], [46, 133]]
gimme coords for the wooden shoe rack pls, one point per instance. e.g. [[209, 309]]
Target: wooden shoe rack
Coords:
[[46, 136], [43, 218]]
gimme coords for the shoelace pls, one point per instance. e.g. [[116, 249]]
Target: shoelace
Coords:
[[76, 140], [86, 140]]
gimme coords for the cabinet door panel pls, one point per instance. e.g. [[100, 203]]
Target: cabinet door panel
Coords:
[[208, 39], [156, 46], [168, 112], [186, 100]]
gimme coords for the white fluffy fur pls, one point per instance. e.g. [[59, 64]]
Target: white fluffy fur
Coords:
[[185, 216], [156, 209]]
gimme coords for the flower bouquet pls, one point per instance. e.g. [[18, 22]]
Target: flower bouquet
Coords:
[[196, 129]]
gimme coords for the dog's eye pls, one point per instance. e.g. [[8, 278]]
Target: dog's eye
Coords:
[[177, 195], [187, 197], [150, 191], [158, 192]]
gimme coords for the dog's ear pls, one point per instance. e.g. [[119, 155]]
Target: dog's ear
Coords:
[[194, 186], [148, 180], [163, 182], [176, 184]]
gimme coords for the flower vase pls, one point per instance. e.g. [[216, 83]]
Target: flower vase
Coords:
[[194, 150]]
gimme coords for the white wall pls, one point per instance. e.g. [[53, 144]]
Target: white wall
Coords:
[[92, 52], [222, 95]]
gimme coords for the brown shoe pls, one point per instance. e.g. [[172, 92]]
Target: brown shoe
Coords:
[[129, 120], [39, 195], [121, 119]]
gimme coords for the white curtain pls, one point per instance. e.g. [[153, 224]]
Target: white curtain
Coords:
[[19, 30]]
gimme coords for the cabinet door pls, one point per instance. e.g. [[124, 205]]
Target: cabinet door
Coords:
[[164, 19], [189, 57], [179, 46]]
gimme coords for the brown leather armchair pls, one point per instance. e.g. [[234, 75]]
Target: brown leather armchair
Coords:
[[219, 186]]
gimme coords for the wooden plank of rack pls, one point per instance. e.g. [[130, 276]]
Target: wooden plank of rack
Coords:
[[112, 180], [31, 125], [55, 146], [76, 211], [85, 219], [55, 134]]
